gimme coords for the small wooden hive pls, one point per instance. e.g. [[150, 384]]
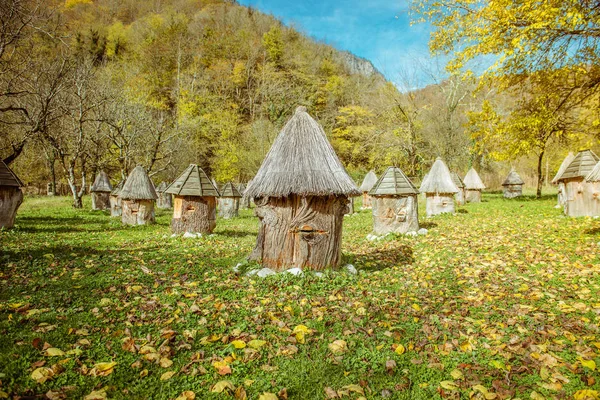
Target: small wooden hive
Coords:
[[11, 196], [301, 194], [245, 200], [229, 202], [195, 205], [459, 197], [562, 195], [366, 186], [439, 189], [579, 191], [115, 200], [395, 204], [513, 185], [473, 186], [101, 192], [137, 198], [165, 200], [593, 191]]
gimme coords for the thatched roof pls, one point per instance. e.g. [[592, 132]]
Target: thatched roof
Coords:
[[117, 189], [457, 180], [241, 188], [162, 187], [513, 179], [473, 181], [101, 183], [8, 177], [369, 181], [594, 175], [393, 183], [438, 179], [563, 166], [581, 166], [301, 161], [230, 191], [138, 186], [193, 182]]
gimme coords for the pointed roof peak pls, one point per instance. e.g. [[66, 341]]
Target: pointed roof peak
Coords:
[[473, 181], [580, 167], [563, 166], [438, 179], [193, 182], [393, 182], [101, 183], [8, 177], [301, 161], [457, 180], [513, 178], [138, 186], [368, 182], [229, 190]]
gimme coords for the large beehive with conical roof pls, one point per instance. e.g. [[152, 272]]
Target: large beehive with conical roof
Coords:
[[581, 196], [137, 198], [439, 189]]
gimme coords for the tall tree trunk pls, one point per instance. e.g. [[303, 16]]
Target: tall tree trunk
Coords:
[[53, 175], [540, 177]]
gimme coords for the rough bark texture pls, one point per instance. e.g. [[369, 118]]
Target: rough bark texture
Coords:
[[562, 195], [228, 207], [245, 203], [459, 197], [137, 212], [350, 209], [194, 214], [115, 206], [473, 196], [439, 204], [512, 191], [366, 203], [100, 200], [395, 214], [164, 201], [582, 198], [10, 200], [297, 231]]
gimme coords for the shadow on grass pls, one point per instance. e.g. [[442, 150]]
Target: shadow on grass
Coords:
[[380, 259], [428, 225], [462, 211], [232, 233], [592, 231]]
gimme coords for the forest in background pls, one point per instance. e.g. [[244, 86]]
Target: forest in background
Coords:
[[89, 85]]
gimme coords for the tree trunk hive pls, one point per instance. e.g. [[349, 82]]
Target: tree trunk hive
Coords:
[[473, 186], [11, 196], [165, 200], [137, 198], [459, 197], [580, 192], [101, 190], [115, 201], [366, 186], [439, 189], [562, 194], [301, 193], [593, 191], [229, 202], [513, 185], [195, 205], [395, 204]]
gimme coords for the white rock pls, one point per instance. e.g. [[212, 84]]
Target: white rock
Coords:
[[174, 235], [189, 235], [252, 272], [351, 269], [294, 271], [422, 231], [265, 272], [413, 233], [236, 269], [557, 206], [319, 274]]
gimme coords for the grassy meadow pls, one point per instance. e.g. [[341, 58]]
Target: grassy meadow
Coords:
[[498, 301]]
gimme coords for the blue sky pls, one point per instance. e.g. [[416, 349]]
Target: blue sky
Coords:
[[378, 30]]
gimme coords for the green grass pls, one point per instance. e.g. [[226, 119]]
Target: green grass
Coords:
[[507, 292]]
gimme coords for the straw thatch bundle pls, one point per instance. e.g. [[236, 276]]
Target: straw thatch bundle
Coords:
[[579, 192], [562, 195], [229, 202], [439, 189], [137, 198], [165, 200], [101, 192], [195, 205], [512, 185], [11, 196], [395, 204], [115, 200], [301, 191], [473, 186], [367, 184], [459, 197]]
